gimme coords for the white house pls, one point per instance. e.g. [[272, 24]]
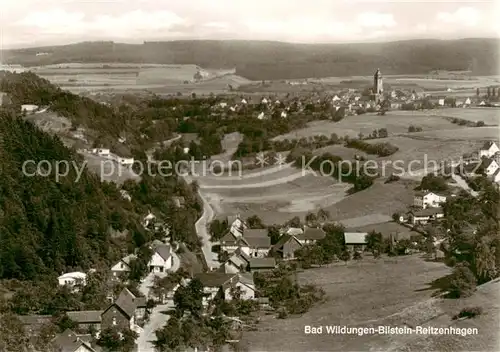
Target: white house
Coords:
[[264, 101], [162, 259], [29, 107], [261, 116], [255, 243], [243, 101], [222, 104], [490, 167], [425, 199], [283, 114], [489, 149], [72, 279], [101, 151], [185, 150], [243, 282], [496, 176], [148, 219], [126, 161], [441, 102], [125, 195], [123, 266], [335, 98], [236, 225], [467, 101]]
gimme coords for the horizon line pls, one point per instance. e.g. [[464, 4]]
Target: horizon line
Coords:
[[21, 47]]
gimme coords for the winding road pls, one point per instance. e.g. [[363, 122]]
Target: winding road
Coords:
[[202, 231]]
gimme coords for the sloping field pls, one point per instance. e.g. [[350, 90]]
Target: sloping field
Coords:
[[362, 293], [394, 121], [490, 116], [379, 199]]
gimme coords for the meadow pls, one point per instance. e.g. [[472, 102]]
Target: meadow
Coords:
[[395, 122], [117, 77], [360, 293]]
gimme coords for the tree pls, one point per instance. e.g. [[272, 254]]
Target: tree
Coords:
[[189, 298], [323, 215], [374, 242], [345, 256], [254, 222], [113, 339], [463, 282], [311, 219], [477, 92]]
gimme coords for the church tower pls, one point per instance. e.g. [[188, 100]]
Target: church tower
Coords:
[[378, 85]]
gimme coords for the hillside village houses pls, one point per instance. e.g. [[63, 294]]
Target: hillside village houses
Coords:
[[293, 239], [425, 199], [489, 150], [355, 241], [162, 260], [73, 279], [69, 341], [219, 284]]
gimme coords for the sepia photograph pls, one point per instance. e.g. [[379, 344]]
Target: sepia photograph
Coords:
[[263, 176]]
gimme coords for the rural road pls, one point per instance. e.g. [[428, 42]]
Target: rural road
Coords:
[[148, 282], [156, 319], [461, 183], [201, 229]]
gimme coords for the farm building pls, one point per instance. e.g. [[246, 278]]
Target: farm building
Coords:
[[425, 199], [29, 107], [69, 341], [426, 215], [86, 318], [262, 264], [355, 240], [286, 246]]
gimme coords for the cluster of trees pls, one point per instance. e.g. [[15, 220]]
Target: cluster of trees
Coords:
[[474, 255], [188, 327], [412, 129], [380, 133], [433, 183], [285, 294], [380, 149]]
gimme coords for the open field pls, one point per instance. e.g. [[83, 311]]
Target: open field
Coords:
[[460, 84], [490, 116], [394, 121], [166, 79], [364, 294]]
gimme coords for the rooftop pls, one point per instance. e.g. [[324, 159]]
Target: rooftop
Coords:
[[355, 237]]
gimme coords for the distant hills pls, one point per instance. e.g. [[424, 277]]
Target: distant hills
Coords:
[[266, 60]]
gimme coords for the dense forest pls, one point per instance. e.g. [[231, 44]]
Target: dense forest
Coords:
[[47, 226], [263, 60]]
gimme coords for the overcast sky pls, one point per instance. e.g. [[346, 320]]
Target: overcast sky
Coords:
[[44, 22]]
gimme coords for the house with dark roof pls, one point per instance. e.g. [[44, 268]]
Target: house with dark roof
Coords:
[[425, 215], [162, 259], [489, 149], [489, 166], [255, 242], [217, 284], [124, 312], [262, 264], [237, 262], [310, 235], [86, 319], [69, 341], [286, 247], [123, 266], [229, 242]]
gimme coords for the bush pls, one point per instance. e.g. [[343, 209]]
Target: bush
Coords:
[[463, 282], [392, 178], [357, 256], [469, 312], [282, 313]]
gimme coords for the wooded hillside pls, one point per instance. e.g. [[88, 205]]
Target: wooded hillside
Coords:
[[263, 60]]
